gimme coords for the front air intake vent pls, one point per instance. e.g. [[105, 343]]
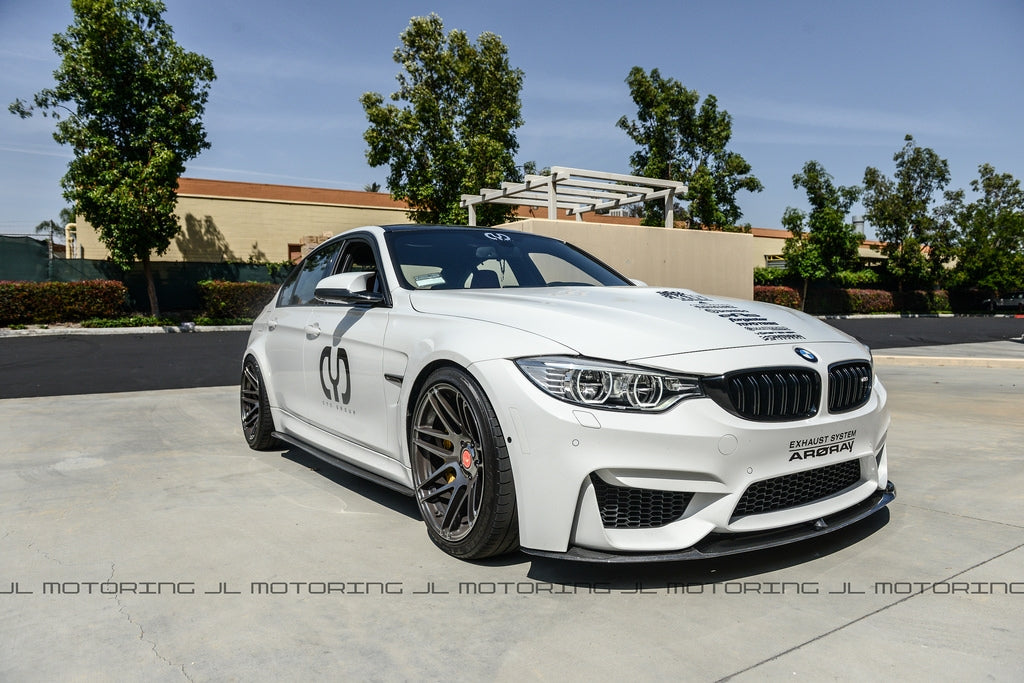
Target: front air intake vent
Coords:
[[799, 488], [625, 507]]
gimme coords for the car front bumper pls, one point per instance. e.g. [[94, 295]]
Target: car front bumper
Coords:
[[697, 454]]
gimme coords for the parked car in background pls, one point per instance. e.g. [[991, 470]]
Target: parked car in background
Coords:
[[1014, 301]]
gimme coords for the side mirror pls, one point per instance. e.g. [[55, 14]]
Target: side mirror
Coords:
[[347, 288]]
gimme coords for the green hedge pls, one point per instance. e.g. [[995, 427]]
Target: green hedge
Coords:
[[849, 301], [232, 300], [920, 301], [781, 296], [51, 302]]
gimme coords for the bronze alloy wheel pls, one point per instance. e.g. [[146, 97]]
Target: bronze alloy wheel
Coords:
[[461, 470]]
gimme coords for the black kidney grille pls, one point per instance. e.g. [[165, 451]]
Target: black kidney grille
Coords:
[[630, 508], [796, 489], [771, 394], [849, 385]]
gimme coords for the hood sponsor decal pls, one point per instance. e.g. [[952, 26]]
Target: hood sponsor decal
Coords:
[[767, 330]]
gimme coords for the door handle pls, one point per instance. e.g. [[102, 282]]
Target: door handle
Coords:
[[313, 331]]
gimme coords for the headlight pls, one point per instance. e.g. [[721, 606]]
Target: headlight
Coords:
[[610, 386]]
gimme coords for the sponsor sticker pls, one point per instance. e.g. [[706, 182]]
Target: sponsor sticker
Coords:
[[767, 330], [822, 446]]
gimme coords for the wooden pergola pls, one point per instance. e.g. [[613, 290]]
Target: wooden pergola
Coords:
[[578, 191]]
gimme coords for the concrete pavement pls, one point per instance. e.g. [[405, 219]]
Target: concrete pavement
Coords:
[[996, 354], [141, 539]]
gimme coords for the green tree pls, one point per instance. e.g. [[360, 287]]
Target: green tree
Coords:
[[683, 139], [901, 209], [990, 232], [129, 101], [52, 227], [830, 244], [455, 131]]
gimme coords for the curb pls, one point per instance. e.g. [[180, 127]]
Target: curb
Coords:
[[949, 361]]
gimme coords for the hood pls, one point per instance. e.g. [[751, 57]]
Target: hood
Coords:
[[631, 323]]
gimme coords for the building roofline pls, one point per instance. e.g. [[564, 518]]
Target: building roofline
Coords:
[[201, 187]]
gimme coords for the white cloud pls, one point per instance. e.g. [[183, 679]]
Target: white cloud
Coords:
[[843, 118]]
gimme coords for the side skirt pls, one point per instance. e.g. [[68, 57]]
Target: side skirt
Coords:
[[345, 465]]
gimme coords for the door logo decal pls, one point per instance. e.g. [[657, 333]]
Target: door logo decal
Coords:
[[331, 372]]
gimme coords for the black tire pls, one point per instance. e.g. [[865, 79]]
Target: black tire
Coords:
[[257, 422], [461, 470]]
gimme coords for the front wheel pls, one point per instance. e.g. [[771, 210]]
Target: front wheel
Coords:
[[461, 469]]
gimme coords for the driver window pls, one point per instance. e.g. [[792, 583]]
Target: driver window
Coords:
[[317, 266], [358, 257]]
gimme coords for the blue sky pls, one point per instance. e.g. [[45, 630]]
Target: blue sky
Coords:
[[840, 83]]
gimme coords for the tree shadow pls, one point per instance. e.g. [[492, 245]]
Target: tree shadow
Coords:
[[257, 255], [202, 240]]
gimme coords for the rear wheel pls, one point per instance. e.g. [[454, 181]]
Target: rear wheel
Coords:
[[257, 423], [461, 469]]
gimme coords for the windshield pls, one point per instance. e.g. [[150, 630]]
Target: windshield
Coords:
[[446, 258]]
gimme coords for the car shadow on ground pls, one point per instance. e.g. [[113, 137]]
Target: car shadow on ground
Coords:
[[381, 495], [626, 576], [621, 576]]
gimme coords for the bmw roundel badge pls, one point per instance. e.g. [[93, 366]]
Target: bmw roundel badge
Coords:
[[806, 355]]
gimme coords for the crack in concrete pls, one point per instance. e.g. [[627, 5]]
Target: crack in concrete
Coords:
[[32, 546], [123, 609], [861, 618], [959, 516]]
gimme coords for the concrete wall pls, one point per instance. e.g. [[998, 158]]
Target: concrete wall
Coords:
[[228, 221], [708, 262]]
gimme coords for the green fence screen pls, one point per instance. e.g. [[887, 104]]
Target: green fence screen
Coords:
[[23, 258]]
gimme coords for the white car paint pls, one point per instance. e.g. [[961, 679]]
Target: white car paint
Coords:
[[556, 448]]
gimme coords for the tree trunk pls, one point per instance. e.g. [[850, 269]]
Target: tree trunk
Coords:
[[803, 297], [154, 306]]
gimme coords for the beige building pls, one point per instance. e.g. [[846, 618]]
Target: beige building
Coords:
[[230, 221], [768, 244], [233, 221]]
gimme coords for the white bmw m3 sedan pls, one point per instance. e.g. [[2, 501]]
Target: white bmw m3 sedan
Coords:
[[528, 396]]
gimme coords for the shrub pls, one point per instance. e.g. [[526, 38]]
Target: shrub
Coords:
[[848, 301], [857, 279], [51, 302], [920, 301], [781, 296], [232, 300], [769, 276], [129, 321], [968, 299]]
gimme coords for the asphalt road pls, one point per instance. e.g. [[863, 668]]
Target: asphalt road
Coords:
[[58, 365], [61, 365], [896, 333]]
